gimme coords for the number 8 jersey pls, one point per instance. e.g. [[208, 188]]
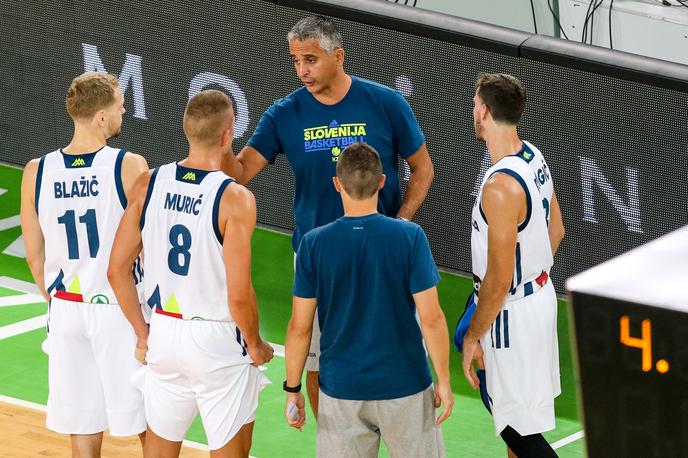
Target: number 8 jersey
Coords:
[[533, 256], [182, 244], [80, 201]]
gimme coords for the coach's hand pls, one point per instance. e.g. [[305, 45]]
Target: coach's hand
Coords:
[[295, 410], [260, 353], [472, 351], [444, 395]]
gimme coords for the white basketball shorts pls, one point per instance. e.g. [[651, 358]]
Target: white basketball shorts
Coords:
[[199, 366], [521, 357], [90, 362]]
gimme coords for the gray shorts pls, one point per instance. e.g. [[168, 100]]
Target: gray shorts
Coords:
[[353, 428]]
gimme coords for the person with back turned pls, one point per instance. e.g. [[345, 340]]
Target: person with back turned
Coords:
[[72, 201], [368, 274], [517, 228], [203, 347]]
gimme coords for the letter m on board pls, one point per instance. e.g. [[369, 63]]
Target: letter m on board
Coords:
[[131, 73]]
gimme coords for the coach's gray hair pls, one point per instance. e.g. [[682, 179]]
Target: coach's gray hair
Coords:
[[318, 28]]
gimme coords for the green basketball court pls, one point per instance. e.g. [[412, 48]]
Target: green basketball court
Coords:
[[468, 433]]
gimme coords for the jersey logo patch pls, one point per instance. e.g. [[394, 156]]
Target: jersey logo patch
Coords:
[[100, 299], [189, 176], [78, 162]]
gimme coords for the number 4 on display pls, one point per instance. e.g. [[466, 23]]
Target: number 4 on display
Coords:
[[644, 343]]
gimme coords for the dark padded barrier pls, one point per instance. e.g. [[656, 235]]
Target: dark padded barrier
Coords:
[[612, 125]]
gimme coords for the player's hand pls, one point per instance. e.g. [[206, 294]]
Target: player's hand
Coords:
[[444, 395], [295, 410], [141, 350], [260, 353], [472, 351]]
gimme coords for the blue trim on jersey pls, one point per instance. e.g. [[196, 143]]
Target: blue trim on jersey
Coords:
[[519, 269], [482, 213], [528, 289], [529, 202], [189, 175], [77, 161], [216, 209], [498, 326], [506, 328], [57, 284], [39, 180], [149, 192], [484, 395], [118, 178]]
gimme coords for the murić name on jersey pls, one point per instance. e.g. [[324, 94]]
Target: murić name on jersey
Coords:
[[81, 188], [184, 204]]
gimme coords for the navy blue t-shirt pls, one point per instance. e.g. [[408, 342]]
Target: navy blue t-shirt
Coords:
[[363, 272], [312, 135]]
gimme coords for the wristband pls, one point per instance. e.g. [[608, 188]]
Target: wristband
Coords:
[[290, 389]]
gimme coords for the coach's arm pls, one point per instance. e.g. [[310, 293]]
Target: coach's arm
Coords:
[[422, 174], [244, 166]]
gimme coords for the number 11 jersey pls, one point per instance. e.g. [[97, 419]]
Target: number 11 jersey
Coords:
[[182, 244], [80, 201]]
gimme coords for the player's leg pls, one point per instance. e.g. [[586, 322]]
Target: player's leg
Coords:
[[170, 402], [347, 429], [239, 446], [113, 341], [76, 404], [408, 425], [86, 445], [519, 365], [530, 446], [227, 387], [157, 447], [313, 368]]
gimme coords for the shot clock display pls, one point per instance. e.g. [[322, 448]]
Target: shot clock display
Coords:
[[633, 369], [630, 317]]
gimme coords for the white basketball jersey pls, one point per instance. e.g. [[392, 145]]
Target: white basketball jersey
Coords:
[[185, 268], [533, 255], [80, 201]]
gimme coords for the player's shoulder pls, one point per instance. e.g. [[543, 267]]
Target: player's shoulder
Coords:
[[235, 194], [134, 160], [503, 185], [33, 164]]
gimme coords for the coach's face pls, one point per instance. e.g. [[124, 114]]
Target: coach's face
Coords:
[[479, 113], [113, 115], [314, 66]]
